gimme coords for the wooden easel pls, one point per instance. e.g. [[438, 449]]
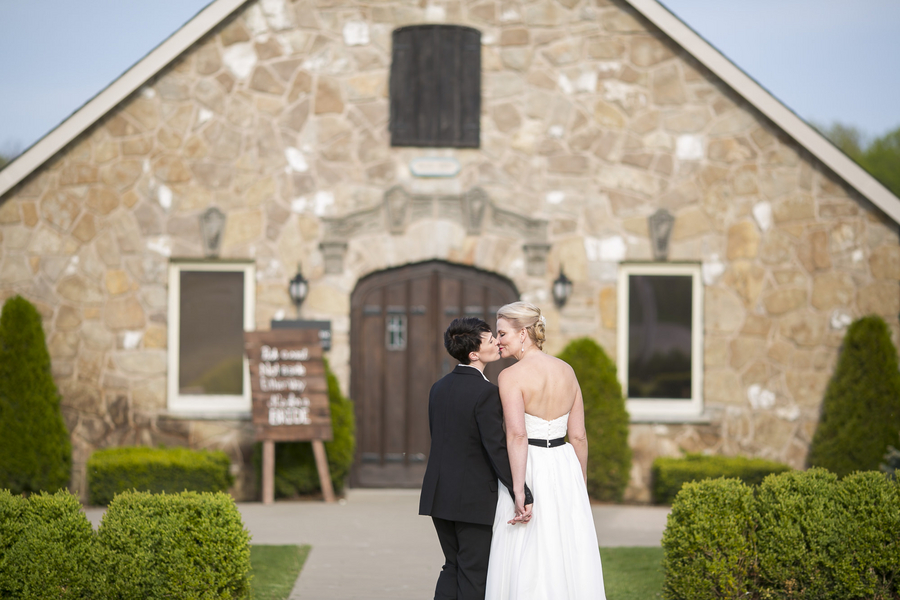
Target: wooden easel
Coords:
[[268, 473], [290, 399]]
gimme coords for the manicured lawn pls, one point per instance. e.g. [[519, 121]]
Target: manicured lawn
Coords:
[[275, 570], [632, 573]]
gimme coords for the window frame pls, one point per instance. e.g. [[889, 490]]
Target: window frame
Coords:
[[654, 409], [207, 404]]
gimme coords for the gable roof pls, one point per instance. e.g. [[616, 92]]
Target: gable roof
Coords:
[[219, 10]]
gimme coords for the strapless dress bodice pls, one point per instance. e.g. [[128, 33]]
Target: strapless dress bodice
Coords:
[[543, 429]]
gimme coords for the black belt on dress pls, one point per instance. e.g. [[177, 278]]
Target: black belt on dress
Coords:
[[547, 443]]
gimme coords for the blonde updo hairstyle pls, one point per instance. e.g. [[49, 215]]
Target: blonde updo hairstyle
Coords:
[[524, 315]]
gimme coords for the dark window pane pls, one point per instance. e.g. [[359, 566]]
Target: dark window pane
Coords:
[[211, 339], [659, 336], [435, 86]]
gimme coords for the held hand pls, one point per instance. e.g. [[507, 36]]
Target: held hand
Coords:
[[524, 518], [520, 503], [523, 511]]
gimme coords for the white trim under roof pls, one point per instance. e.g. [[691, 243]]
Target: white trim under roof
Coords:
[[97, 107], [218, 10]]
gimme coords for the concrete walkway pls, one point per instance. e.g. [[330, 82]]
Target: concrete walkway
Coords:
[[374, 546]]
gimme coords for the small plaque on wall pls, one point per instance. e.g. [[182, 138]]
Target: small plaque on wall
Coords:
[[436, 166]]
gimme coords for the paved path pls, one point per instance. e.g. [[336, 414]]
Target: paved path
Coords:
[[374, 546]]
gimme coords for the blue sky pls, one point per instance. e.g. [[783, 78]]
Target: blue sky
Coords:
[[828, 60]]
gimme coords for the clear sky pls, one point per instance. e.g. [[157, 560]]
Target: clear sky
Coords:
[[828, 60]]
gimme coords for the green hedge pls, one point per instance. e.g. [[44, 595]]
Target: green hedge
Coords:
[[47, 547], [861, 408], [186, 545], [669, 474], [799, 535], [116, 470], [605, 419], [708, 541], [35, 451], [295, 465]]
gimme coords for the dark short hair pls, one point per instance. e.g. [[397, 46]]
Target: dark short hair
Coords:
[[464, 336]]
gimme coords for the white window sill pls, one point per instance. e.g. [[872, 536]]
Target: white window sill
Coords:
[[196, 415], [673, 419]]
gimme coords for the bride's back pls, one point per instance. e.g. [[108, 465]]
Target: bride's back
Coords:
[[548, 384]]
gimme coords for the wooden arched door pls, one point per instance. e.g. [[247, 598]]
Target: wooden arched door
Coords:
[[397, 323]]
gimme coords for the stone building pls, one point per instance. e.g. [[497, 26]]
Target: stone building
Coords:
[[717, 245]]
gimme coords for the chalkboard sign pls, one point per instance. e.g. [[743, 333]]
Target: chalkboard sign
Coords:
[[287, 381]]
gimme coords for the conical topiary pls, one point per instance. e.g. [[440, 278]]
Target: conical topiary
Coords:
[[861, 410], [605, 419], [35, 451]]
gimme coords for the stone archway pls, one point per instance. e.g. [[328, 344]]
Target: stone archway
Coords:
[[397, 320]]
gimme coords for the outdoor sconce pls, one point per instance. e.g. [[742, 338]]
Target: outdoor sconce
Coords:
[[212, 223], [562, 289], [298, 289], [660, 223]]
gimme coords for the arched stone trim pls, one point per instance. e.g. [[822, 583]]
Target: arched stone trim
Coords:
[[473, 212]]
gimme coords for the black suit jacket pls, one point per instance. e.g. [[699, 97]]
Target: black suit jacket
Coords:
[[468, 449]]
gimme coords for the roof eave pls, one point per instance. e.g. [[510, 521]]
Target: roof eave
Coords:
[[758, 97], [653, 11], [98, 106]]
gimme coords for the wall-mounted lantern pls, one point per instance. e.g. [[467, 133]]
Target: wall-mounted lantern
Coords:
[[298, 289], [661, 223], [562, 289], [212, 223]]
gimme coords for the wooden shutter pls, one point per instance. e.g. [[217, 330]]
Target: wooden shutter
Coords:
[[436, 86]]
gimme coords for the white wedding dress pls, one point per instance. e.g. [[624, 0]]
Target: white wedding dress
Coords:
[[556, 555]]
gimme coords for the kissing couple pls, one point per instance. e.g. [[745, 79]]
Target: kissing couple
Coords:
[[507, 494]]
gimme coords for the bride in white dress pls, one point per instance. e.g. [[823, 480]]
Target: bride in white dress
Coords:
[[554, 555]]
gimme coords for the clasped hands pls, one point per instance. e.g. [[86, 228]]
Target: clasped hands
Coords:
[[523, 511]]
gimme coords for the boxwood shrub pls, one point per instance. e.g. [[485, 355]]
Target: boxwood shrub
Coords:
[[861, 408], [47, 547], [186, 545], [797, 521], [35, 451], [708, 541], [295, 465], [605, 419], [116, 470], [668, 475], [801, 535]]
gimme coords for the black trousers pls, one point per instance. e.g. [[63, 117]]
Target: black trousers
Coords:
[[467, 547]]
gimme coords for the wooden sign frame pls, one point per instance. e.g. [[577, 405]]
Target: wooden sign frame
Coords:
[[289, 398]]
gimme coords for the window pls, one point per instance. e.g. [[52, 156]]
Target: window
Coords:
[[211, 304], [660, 340], [395, 335], [436, 86]]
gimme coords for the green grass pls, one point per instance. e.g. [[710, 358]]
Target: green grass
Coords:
[[275, 570], [632, 573], [628, 573]]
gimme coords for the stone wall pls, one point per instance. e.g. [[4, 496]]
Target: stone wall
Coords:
[[591, 121]]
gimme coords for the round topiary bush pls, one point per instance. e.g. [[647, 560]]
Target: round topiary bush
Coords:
[[861, 409], [605, 419], [709, 542], [35, 450], [798, 530], [164, 546], [295, 465], [47, 548]]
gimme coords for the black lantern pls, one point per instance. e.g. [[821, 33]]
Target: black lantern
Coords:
[[562, 289], [298, 289]]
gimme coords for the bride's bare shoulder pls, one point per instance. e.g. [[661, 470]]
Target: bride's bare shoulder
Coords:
[[559, 363]]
